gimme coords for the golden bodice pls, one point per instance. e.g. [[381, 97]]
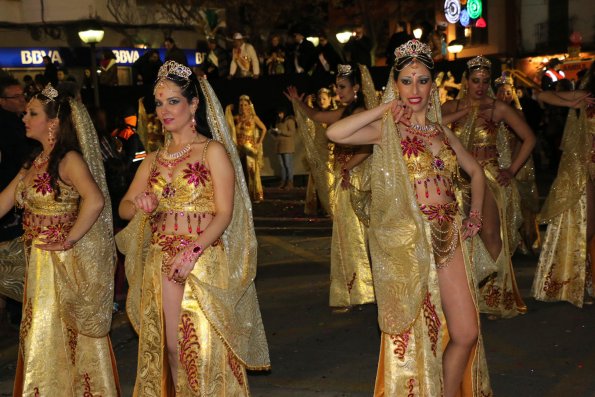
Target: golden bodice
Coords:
[[425, 167], [187, 198], [246, 131], [485, 132], [43, 214], [342, 154]]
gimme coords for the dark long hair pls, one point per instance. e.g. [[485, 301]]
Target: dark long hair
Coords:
[[66, 138], [191, 89], [354, 78]]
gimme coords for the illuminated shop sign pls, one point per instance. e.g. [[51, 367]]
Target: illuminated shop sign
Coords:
[[33, 57]]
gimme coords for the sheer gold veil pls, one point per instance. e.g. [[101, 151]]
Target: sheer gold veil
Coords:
[[86, 288], [401, 254]]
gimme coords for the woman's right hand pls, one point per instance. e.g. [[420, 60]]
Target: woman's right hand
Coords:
[[292, 93], [401, 113], [146, 202]]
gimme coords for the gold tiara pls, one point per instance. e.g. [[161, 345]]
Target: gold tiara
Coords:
[[344, 70], [413, 48], [49, 92], [174, 68], [479, 62], [504, 79]]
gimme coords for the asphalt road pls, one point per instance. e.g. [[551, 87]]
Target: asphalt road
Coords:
[[548, 352]]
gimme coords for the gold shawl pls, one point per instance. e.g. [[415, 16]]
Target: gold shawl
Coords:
[[86, 288], [234, 313], [572, 173], [401, 253]]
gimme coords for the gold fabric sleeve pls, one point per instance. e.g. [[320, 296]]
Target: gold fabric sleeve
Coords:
[[86, 283]]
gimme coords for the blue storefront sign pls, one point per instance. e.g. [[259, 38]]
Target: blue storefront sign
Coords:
[[73, 57]]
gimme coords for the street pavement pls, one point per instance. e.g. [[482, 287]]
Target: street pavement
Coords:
[[548, 352]]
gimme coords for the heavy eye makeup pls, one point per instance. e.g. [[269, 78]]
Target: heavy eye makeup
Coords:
[[170, 101], [420, 79]]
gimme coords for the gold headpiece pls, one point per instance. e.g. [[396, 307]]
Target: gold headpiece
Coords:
[[504, 79], [50, 93], [344, 70], [174, 68], [413, 48], [479, 62]]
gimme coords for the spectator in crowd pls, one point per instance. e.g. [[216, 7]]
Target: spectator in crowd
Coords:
[[552, 74], [359, 47], [217, 61], [173, 52], [244, 61], [275, 60], [30, 88], [328, 57], [146, 67], [67, 83], [109, 69], [50, 72], [284, 133], [400, 37], [436, 39], [305, 52]]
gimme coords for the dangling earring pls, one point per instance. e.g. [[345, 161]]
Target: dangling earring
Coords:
[[193, 125], [355, 95]]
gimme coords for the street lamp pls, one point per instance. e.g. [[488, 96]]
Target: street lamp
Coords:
[[417, 32], [343, 37], [454, 47], [92, 37]]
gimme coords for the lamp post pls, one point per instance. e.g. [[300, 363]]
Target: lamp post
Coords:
[[454, 47], [343, 37], [92, 37]]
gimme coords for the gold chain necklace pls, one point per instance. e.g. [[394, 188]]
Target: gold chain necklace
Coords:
[[41, 160]]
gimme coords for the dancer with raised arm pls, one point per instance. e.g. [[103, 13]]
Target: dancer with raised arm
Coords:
[[420, 241]]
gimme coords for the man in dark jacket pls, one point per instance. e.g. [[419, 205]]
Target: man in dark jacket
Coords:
[[359, 48], [305, 52], [173, 52], [217, 60]]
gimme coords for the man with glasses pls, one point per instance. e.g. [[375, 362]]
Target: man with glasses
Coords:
[[15, 148]]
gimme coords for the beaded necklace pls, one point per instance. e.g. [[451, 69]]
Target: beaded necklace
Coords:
[[41, 160], [171, 160]]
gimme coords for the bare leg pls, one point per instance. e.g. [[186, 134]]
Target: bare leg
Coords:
[[490, 232], [461, 319], [172, 295]]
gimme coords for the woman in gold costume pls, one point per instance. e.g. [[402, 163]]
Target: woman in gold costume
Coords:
[[248, 132], [525, 177], [64, 345], [563, 271], [480, 131], [191, 252], [338, 188], [323, 102], [421, 246]]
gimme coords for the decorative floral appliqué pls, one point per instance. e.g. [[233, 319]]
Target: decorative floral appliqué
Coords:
[[196, 174], [42, 184], [411, 147]]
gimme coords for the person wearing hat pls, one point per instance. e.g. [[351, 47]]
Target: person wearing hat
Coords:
[[244, 61], [305, 52]]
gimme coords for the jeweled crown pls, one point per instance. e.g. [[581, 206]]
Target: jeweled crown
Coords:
[[479, 62], [50, 92], [413, 48], [174, 68], [504, 79], [344, 70]]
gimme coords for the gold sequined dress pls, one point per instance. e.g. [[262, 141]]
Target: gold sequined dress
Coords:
[[487, 141], [415, 225], [220, 328], [247, 136], [562, 268], [64, 347]]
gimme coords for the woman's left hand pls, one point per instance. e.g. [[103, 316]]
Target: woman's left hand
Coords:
[[504, 177], [401, 113], [182, 264], [471, 227]]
